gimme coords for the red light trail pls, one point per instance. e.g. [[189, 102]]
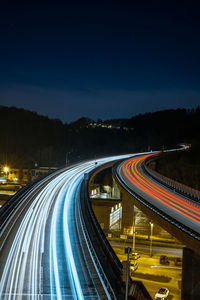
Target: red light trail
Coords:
[[132, 171]]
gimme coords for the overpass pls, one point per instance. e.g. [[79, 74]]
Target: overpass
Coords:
[[51, 246], [172, 210]]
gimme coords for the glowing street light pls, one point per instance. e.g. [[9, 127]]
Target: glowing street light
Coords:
[[151, 224], [6, 170]]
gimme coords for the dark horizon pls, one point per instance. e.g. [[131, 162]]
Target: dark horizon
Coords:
[[100, 60], [104, 120]]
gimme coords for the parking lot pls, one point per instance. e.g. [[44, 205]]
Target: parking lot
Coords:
[[154, 274]]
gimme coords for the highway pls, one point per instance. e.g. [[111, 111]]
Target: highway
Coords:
[[170, 204], [40, 250]]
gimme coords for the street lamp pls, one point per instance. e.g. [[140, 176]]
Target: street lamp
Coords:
[[134, 233], [6, 169], [67, 157], [128, 252], [151, 224]]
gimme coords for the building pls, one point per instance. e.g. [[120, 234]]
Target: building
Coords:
[[23, 176]]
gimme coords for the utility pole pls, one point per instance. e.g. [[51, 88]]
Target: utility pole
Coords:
[[133, 230], [151, 235], [128, 252], [67, 154]]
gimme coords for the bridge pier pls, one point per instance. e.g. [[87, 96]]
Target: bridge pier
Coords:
[[102, 210], [190, 275], [127, 214]]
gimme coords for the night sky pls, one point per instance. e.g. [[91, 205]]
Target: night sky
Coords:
[[99, 59]]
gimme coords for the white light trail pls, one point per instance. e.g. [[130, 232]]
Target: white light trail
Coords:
[[23, 267]]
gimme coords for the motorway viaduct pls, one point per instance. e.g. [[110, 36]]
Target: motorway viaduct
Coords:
[[189, 238], [51, 245], [48, 238]]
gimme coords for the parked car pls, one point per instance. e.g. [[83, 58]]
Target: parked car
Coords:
[[135, 256], [178, 261], [162, 294], [164, 260], [133, 267]]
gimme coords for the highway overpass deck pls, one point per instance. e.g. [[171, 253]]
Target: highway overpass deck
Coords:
[[45, 241], [179, 214]]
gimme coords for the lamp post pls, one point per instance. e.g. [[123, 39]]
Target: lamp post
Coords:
[[6, 169], [133, 230], [128, 252], [67, 157], [151, 224]]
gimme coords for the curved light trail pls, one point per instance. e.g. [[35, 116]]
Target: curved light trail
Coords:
[[37, 253], [172, 204]]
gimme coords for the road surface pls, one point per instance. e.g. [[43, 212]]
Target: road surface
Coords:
[[172, 204], [40, 249]]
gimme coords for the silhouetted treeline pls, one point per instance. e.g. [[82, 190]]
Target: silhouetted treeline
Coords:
[[182, 166], [27, 138]]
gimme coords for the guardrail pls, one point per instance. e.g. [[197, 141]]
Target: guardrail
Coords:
[[136, 289], [173, 221], [170, 183], [102, 276], [105, 260]]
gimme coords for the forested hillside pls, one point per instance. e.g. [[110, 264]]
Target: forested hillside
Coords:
[[27, 138], [182, 166]]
